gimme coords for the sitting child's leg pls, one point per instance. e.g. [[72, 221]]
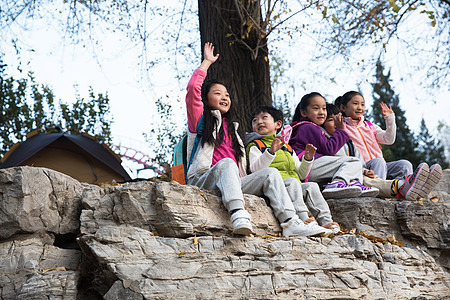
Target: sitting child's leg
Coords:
[[318, 206], [398, 169], [268, 182], [384, 186], [346, 175], [316, 203], [295, 192], [310, 192], [378, 166], [224, 176], [411, 187]]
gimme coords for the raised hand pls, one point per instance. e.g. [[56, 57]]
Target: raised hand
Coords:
[[210, 58], [339, 121], [310, 150], [385, 110], [277, 143], [209, 53]]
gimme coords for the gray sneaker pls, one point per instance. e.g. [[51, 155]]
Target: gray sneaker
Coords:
[[433, 179], [411, 189]]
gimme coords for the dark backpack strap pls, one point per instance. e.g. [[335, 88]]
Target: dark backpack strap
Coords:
[[184, 145], [351, 148], [200, 127]]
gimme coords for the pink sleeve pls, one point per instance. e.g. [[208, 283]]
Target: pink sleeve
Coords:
[[194, 104]]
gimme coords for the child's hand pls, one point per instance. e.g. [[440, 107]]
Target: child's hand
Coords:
[[209, 53], [385, 110], [339, 121], [277, 143], [369, 173], [310, 150]]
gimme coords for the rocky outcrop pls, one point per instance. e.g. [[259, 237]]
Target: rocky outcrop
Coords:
[[168, 209], [61, 239]]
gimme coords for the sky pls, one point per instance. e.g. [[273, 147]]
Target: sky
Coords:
[[114, 68]]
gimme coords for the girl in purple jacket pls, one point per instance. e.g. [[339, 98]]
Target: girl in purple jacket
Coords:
[[345, 173]]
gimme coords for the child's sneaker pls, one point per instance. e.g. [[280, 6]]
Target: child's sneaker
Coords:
[[335, 228], [411, 188], [296, 227], [433, 179], [241, 222], [314, 225], [340, 189], [366, 191]]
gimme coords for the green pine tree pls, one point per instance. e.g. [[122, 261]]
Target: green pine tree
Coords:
[[405, 143], [430, 151]]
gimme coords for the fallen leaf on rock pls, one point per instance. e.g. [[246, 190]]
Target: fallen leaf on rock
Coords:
[[394, 241], [54, 269], [195, 240], [184, 253], [434, 199]]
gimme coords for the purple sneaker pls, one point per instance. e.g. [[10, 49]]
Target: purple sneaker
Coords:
[[340, 189], [366, 191], [432, 180]]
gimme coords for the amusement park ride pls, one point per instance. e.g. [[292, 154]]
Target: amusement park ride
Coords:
[[138, 157]]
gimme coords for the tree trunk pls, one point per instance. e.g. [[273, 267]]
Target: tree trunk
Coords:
[[246, 77]]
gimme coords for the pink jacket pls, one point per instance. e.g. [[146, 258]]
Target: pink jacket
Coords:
[[203, 157], [367, 137]]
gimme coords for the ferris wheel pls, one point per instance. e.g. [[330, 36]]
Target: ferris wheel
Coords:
[[137, 156]]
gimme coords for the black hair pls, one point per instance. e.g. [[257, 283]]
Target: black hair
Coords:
[[276, 114], [210, 121], [345, 98], [303, 104], [332, 109]]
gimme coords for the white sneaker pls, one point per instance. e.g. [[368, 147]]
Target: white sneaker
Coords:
[[315, 226], [335, 229], [296, 227], [241, 222]]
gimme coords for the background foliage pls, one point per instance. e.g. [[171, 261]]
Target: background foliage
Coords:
[[26, 105]]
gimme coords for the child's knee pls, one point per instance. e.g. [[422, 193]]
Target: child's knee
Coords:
[[405, 163], [226, 163]]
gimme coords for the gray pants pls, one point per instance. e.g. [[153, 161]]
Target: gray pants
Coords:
[[392, 170], [224, 176], [308, 192], [347, 168]]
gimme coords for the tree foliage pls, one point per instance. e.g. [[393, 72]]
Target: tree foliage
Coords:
[[411, 28], [405, 144], [430, 150], [26, 105], [341, 28], [338, 29], [164, 133]]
